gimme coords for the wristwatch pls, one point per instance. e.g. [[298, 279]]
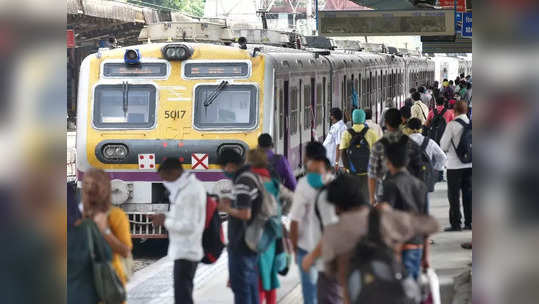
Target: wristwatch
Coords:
[[107, 231]]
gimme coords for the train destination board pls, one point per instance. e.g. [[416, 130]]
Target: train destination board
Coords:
[[387, 23], [216, 69]]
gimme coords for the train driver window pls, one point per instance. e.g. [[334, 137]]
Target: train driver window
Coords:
[[129, 106], [225, 107]]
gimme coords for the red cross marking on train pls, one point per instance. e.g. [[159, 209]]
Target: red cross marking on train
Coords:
[[199, 159]]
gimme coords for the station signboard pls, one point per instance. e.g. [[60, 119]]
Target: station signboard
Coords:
[[387, 23], [461, 4], [467, 25], [458, 22]]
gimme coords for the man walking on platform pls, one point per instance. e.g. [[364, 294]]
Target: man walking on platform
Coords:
[[333, 139], [279, 165], [184, 223], [419, 109], [459, 173]]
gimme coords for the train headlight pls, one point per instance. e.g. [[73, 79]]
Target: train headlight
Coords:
[[235, 147], [176, 52], [132, 56], [115, 151]]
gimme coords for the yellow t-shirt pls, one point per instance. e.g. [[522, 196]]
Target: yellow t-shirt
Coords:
[[370, 136], [119, 227]]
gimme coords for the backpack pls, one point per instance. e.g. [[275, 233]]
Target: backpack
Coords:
[[265, 226], [428, 174], [213, 238], [464, 149], [437, 126], [375, 276], [359, 151]]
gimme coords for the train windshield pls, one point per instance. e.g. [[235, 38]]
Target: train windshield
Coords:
[[124, 106], [234, 107]]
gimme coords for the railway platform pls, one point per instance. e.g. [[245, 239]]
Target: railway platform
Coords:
[[153, 284]]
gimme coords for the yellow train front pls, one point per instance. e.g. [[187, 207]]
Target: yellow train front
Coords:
[[139, 105]]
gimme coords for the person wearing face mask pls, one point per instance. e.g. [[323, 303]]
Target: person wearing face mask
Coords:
[[309, 214], [185, 225]]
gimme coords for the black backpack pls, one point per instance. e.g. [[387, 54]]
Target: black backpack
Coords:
[[428, 174], [375, 276], [464, 149], [213, 238], [359, 151], [437, 126]]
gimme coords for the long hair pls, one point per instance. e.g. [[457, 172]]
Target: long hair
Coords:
[[96, 191]]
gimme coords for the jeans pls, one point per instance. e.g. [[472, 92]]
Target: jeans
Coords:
[[243, 277], [459, 180], [308, 279], [411, 259], [184, 273]]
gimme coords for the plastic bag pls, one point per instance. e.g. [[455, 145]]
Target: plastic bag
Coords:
[[430, 287]]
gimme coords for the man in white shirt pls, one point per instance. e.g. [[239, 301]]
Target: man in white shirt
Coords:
[[184, 223], [459, 174], [426, 98], [372, 125], [419, 109], [333, 139], [309, 214]]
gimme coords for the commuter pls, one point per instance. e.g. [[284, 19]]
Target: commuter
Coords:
[[405, 116], [441, 110], [111, 221], [377, 162], [404, 192], [463, 89], [340, 239], [184, 223], [409, 100], [437, 120], [310, 213], [333, 139], [436, 90], [267, 264], [390, 104], [425, 97], [436, 157], [419, 109], [278, 164], [459, 174], [80, 277], [452, 87], [355, 147], [372, 125], [241, 207]]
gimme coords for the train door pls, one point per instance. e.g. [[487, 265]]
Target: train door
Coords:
[[344, 97], [286, 121], [300, 123], [313, 111], [326, 107]]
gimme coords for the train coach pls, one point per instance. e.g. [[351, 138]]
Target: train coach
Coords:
[[141, 104]]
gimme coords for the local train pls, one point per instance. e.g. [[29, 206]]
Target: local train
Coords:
[[450, 68], [141, 104]]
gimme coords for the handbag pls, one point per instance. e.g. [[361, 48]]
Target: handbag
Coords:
[[108, 285], [430, 287]]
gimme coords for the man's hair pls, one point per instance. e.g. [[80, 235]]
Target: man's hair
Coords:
[[257, 158], [461, 75], [230, 156], [315, 151], [170, 163], [445, 79], [461, 107], [421, 89], [393, 118], [344, 193], [368, 114], [336, 112], [397, 152], [413, 90], [469, 85], [450, 81], [463, 82], [440, 101], [265, 141], [416, 96], [414, 124], [406, 112]]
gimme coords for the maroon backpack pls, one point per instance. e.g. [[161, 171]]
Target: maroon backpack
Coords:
[[213, 238]]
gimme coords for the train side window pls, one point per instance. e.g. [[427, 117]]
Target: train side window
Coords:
[[293, 110], [319, 104], [281, 114], [307, 107]]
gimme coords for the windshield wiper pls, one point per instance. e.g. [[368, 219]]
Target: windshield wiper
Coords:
[[125, 97], [210, 99]]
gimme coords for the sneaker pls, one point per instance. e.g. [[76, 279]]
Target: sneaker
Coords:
[[468, 227], [467, 245], [452, 229]]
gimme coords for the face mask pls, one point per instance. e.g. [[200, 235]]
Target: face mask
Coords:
[[229, 174], [315, 180]]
